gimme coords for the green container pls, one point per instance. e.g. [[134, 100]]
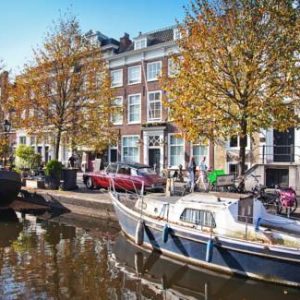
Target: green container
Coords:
[[212, 176]]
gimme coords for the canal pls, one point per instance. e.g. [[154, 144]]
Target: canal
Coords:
[[71, 257]]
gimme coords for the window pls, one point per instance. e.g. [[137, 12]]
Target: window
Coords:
[[234, 168], [176, 34], [176, 150], [198, 217], [130, 148], [173, 68], [134, 108], [116, 78], [32, 140], [117, 114], [234, 142], [22, 140], [134, 74], [198, 151], [154, 106], [140, 44], [153, 70]]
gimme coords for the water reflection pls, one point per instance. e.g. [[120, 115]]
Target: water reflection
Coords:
[[173, 280], [51, 260], [10, 227]]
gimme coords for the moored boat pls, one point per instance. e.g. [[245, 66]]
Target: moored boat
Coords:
[[173, 279], [220, 231], [10, 185]]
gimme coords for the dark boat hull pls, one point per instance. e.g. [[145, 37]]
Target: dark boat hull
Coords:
[[228, 256], [10, 185], [189, 281]]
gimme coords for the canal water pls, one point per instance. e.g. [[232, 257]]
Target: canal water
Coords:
[[68, 257]]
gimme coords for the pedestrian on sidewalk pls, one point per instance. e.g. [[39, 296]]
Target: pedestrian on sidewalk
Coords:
[[202, 179], [192, 173]]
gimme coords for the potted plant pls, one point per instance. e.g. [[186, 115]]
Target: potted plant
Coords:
[[53, 174]]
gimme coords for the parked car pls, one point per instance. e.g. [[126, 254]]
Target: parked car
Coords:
[[126, 176]]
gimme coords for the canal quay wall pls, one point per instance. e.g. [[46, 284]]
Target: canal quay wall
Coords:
[[82, 201]]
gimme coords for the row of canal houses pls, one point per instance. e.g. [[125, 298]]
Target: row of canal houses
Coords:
[[145, 133]]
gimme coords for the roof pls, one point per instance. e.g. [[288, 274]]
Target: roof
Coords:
[[153, 37]]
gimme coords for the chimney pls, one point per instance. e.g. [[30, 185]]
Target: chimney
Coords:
[[125, 42]]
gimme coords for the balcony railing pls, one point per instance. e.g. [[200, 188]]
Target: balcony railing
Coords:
[[279, 153]]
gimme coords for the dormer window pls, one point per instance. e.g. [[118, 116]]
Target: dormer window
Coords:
[[140, 44], [177, 34]]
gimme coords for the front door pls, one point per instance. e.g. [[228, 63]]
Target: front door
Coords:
[[154, 159], [284, 145], [113, 155]]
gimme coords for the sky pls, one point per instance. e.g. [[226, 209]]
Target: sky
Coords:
[[24, 23]]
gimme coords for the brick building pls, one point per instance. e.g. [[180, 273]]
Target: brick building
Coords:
[[146, 134]]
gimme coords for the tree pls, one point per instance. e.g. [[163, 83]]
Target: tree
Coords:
[[236, 70], [65, 92], [4, 138]]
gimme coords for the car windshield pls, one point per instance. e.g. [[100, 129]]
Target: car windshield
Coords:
[[146, 171]]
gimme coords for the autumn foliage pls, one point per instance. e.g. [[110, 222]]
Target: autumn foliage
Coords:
[[237, 70], [64, 95]]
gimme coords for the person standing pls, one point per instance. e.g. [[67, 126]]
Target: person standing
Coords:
[[203, 174], [192, 173]]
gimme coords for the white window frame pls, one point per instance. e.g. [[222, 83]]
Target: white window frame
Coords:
[[136, 146], [148, 70], [138, 80], [21, 139], [128, 110], [121, 106], [176, 34], [200, 156], [247, 164], [173, 69], [169, 151], [140, 43], [148, 106], [117, 84], [238, 143]]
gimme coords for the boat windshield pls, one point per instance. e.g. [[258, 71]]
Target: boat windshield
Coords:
[[198, 217], [146, 171]]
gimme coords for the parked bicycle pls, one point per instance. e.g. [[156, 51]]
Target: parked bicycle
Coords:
[[283, 200]]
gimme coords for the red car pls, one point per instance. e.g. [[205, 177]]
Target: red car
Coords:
[[126, 176]]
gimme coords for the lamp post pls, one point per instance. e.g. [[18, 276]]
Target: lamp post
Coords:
[[6, 129]]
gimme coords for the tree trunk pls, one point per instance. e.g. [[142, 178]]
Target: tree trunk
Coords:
[[243, 144], [57, 145]]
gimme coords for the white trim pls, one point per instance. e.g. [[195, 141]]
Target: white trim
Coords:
[[122, 103], [152, 63], [128, 110], [148, 106], [236, 164], [176, 34], [120, 83], [238, 143], [140, 75], [138, 43], [169, 152], [146, 135], [201, 156], [122, 146]]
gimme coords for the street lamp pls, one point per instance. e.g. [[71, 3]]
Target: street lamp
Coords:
[[6, 129], [7, 126]]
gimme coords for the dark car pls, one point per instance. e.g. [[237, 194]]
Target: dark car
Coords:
[[126, 176]]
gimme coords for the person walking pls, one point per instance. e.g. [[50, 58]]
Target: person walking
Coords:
[[192, 173], [202, 180]]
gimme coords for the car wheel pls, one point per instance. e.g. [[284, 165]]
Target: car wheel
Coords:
[[89, 183]]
